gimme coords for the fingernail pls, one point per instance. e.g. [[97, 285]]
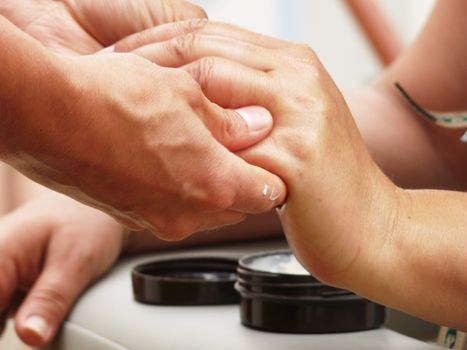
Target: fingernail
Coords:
[[274, 194], [271, 192], [37, 325], [265, 190], [108, 49], [257, 118]]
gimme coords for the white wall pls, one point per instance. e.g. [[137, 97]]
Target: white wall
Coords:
[[326, 26]]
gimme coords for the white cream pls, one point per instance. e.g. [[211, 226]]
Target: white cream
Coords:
[[280, 263]]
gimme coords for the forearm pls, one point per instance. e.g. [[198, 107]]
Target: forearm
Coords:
[[396, 137], [27, 84], [419, 265], [254, 228], [411, 150]]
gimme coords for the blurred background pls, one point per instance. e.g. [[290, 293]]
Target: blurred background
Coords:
[[327, 26]]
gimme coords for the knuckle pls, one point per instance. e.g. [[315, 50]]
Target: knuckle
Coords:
[[192, 25], [191, 91], [211, 194], [232, 125], [223, 200], [84, 261], [304, 56], [51, 301], [220, 196], [203, 71], [182, 45]]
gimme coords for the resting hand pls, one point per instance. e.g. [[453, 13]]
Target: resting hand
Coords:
[[52, 249]]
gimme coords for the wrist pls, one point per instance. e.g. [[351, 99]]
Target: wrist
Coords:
[[378, 250], [32, 84]]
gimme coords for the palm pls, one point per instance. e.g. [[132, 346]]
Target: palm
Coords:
[[85, 26]]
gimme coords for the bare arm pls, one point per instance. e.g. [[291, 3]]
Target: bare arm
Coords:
[[26, 69], [434, 71], [348, 224], [394, 134]]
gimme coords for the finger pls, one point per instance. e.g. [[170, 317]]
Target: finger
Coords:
[[253, 189], [9, 275], [192, 47], [179, 229], [201, 26], [232, 85], [238, 129], [50, 300], [110, 21]]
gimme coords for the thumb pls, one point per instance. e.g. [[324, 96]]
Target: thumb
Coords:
[[48, 303], [240, 128]]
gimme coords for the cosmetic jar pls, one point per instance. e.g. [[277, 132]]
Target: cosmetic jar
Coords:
[[279, 295], [186, 281]]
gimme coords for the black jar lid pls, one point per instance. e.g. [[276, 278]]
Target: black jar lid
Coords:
[[277, 300], [186, 281]]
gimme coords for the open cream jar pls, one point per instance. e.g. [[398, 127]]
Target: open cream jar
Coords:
[[279, 295]]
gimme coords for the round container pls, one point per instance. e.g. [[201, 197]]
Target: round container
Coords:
[[278, 295], [186, 281]]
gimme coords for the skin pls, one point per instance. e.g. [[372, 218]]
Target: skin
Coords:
[[40, 250], [86, 26], [347, 222], [175, 177], [50, 299], [399, 262]]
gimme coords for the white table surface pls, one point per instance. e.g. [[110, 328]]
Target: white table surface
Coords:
[[108, 318]]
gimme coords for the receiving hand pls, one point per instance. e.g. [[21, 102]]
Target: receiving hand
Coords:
[[52, 249], [86, 26], [337, 196]]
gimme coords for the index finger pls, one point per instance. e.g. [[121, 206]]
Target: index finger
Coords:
[[169, 31]]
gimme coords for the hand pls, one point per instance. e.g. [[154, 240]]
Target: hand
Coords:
[[337, 196], [52, 248], [85, 26], [143, 144]]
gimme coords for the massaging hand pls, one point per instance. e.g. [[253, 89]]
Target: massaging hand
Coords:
[[137, 141], [85, 26], [143, 144], [52, 249], [336, 194]]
